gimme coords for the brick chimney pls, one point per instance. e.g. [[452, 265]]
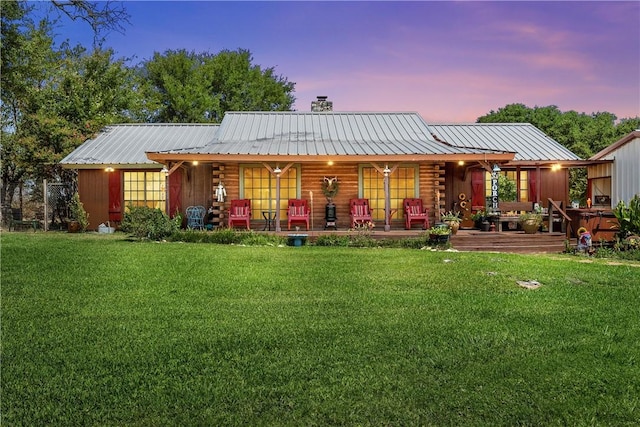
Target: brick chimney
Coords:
[[321, 104]]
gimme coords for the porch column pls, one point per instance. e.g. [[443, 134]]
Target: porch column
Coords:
[[165, 174], [387, 199], [277, 171]]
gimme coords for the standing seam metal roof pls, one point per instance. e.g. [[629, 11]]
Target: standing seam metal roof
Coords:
[[325, 133], [527, 141], [127, 143]]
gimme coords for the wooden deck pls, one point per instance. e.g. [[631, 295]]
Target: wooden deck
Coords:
[[470, 240]]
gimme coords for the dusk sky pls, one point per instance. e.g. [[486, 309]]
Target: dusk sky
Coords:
[[448, 61]]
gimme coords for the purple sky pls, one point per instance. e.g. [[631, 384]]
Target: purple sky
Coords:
[[449, 61]]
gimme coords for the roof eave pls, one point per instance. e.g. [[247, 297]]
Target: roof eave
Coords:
[[166, 157], [549, 163], [79, 166]]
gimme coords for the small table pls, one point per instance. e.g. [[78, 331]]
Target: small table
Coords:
[[269, 217]]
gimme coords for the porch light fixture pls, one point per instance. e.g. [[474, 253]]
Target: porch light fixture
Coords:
[[194, 163], [496, 168], [556, 167], [386, 170], [460, 162], [277, 170], [330, 163], [165, 171], [109, 169]]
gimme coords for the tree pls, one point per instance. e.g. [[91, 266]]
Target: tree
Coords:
[[189, 87], [53, 98], [583, 134], [102, 16]]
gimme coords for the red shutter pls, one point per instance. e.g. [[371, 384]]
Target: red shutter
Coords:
[[175, 193], [115, 196], [477, 188], [533, 187]]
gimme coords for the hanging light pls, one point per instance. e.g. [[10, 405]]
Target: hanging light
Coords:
[[496, 168]]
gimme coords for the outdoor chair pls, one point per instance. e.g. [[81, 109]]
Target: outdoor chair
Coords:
[[298, 211], [240, 213], [195, 217], [414, 211], [359, 211]]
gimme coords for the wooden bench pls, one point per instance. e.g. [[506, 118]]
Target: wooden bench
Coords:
[[510, 212], [16, 222]]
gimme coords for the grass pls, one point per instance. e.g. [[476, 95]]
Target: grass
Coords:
[[98, 330]]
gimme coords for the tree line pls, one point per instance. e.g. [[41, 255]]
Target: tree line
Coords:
[[56, 96]]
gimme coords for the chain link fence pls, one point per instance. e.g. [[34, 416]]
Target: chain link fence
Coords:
[[43, 203], [57, 198]]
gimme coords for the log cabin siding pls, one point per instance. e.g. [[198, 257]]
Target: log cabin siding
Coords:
[[198, 189], [430, 176]]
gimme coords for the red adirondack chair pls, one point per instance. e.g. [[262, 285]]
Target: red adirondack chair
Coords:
[[415, 212], [298, 211], [240, 212], [360, 211]]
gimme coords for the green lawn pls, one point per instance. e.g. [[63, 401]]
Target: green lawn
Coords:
[[98, 330]]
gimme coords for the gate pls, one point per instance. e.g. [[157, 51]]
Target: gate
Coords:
[[57, 198]]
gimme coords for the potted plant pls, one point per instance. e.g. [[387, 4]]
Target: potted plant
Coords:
[[452, 220], [530, 222], [439, 234], [479, 218], [79, 218]]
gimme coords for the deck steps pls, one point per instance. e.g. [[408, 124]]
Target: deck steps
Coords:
[[513, 241]]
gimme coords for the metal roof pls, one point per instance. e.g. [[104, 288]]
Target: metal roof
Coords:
[[325, 133], [527, 141], [606, 153], [127, 144]]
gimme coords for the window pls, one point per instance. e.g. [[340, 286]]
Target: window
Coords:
[[402, 184], [518, 177], [145, 189], [260, 186]]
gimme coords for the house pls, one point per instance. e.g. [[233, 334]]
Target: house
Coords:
[[270, 157], [614, 173], [114, 171]]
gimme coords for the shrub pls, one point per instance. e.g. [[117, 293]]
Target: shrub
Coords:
[[148, 223], [227, 236], [78, 213], [415, 242], [628, 217], [332, 240], [256, 239]]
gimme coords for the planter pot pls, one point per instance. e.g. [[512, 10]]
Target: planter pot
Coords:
[[73, 227], [438, 238], [297, 239], [530, 227], [485, 226], [453, 226]]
